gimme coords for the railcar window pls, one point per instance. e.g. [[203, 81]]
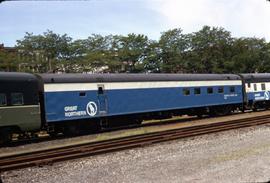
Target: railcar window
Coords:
[[232, 89], [16, 98], [3, 99], [186, 91], [210, 90], [220, 89], [197, 91], [82, 94], [255, 87], [248, 85], [263, 86]]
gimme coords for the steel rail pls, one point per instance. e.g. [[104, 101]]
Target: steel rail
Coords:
[[50, 156]]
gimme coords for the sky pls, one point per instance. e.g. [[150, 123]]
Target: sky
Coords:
[[80, 19]]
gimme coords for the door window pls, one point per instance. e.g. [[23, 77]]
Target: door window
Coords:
[[100, 89]]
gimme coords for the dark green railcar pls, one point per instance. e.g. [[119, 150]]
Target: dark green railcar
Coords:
[[19, 104]]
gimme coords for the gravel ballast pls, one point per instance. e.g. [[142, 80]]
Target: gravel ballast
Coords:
[[234, 156], [168, 124]]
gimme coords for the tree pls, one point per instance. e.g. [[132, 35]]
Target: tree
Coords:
[[99, 54], [132, 50], [152, 61], [210, 49], [8, 61], [250, 55], [173, 46], [44, 50]]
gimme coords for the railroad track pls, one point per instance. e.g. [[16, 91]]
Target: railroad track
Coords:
[[47, 157]]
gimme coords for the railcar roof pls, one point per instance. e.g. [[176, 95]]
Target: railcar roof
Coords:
[[17, 77], [84, 78], [256, 77]]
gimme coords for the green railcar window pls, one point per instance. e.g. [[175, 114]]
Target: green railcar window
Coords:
[[210, 90], [197, 91], [3, 99], [186, 91], [16, 98], [232, 89], [220, 89]]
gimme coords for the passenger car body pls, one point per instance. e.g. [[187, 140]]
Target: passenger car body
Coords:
[[88, 96]]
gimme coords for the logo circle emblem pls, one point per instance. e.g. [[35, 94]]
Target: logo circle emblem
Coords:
[[91, 108], [266, 95]]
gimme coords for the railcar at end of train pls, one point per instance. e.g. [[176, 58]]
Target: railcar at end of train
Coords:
[[257, 90], [19, 104]]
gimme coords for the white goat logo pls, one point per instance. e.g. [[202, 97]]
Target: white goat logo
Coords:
[[91, 108]]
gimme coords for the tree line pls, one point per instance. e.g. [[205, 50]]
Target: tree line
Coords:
[[209, 50]]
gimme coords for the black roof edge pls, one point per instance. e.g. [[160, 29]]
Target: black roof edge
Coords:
[[84, 78], [17, 76], [256, 77]]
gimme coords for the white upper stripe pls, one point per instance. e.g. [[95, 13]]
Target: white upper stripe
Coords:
[[53, 87], [251, 89]]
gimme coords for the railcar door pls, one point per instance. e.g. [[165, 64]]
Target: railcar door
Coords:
[[102, 100]]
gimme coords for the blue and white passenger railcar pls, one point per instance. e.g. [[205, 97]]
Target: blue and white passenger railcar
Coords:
[[257, 87], [93, 96]]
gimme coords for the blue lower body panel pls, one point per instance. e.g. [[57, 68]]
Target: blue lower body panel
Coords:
[[258, 96], [61, 106]]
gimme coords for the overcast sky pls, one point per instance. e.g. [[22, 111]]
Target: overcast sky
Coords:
[[79, 19]]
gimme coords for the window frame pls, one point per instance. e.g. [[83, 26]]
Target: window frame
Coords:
[[198, 89], [12, 98], [208, 89], [232, 89], [222, 88], [255, 86], [186, 91], [82, 94], [263, 87]]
